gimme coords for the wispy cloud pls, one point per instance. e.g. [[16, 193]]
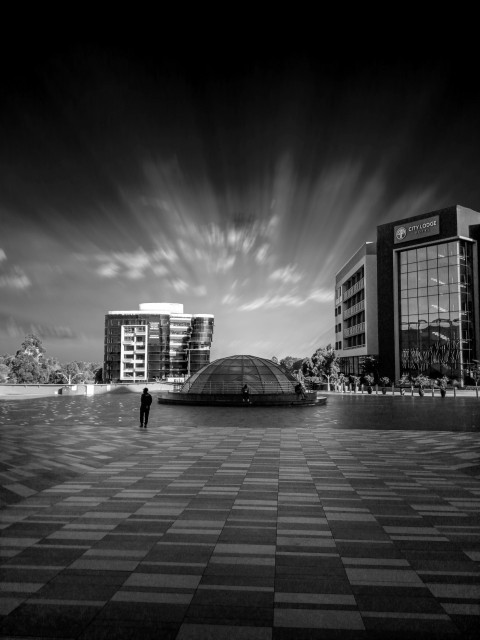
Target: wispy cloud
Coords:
[[18, 328], [287, 274], [270, 301], [179, 285], [12, 276]]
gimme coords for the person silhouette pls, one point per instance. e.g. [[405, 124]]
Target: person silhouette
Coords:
[[246, 394], [145, 402]]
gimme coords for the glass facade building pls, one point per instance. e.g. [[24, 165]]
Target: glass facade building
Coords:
[[426, 298], [437, 334], [156, 342]]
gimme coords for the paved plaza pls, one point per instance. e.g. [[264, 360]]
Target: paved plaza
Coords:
[[360, 519]]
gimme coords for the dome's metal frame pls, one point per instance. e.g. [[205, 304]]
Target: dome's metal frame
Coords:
[[220, 383]]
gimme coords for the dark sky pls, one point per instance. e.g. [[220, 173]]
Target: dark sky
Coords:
[[235, 176]]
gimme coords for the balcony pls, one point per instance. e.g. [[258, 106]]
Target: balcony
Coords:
[[348, 313], [353, 290], [355, 330]]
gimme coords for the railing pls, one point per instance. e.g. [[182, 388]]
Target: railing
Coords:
[[353, 290], [353, 331], [236, 387], [360, 306]]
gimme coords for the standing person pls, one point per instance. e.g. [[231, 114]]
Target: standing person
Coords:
[[145, 402], [246, 394]]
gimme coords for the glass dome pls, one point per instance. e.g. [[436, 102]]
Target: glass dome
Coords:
[[228, 375]]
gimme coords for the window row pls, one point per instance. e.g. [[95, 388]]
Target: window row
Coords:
[[434, 278], [435, 304], [435, 251], [354, 279], [456, 261], [355, 341]]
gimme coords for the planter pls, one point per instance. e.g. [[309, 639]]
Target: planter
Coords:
[[384, 391], [369, 388]]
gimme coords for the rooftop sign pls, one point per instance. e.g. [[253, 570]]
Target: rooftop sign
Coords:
[[414, 230]]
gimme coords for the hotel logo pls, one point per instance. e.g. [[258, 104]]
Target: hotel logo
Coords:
[[422, 228]]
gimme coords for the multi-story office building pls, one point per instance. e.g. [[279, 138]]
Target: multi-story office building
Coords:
[[426, 297], [356, 333], [157, 341]]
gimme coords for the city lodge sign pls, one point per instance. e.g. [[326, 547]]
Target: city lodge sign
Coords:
[[421, 228]]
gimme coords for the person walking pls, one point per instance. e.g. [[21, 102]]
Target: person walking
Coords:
[[145, 402], [246, 394]]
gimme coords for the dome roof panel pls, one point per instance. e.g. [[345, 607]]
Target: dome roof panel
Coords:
[[228, 375]]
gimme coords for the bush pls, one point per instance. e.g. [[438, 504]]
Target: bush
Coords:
[[442, 382], [422, 381]]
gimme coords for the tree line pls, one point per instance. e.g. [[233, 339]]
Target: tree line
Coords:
[[31, 365], [324, 366]]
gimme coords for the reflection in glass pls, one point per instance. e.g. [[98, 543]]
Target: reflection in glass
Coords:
[[432, 343]]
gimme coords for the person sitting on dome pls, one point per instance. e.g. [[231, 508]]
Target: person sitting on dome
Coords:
[[300, 391]]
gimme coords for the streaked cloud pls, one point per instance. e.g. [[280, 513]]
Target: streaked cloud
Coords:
[[180, 285], [270, 301], [14, 278], [286, 274], [18, 328]]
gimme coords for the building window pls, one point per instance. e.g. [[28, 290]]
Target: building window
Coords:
[[436, 310]]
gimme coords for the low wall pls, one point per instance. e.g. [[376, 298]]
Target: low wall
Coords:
[[234, 399], [32, 390], [29, 389]]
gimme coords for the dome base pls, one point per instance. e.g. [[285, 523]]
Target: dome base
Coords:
[[234, 400]]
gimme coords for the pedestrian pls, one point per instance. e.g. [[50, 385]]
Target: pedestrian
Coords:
[[145, 402], [300, 391], [246, 394]]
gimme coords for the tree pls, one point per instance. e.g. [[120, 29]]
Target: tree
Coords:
[[32, 346], [53, 367], [4, 372], [289, 363], [87, 371], [28, 366], [308, 368], [70, 372], [27, 369], [325, 363], [5, 366]]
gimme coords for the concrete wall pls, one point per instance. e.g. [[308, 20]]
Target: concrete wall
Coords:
[[33, 390], [235, 399]]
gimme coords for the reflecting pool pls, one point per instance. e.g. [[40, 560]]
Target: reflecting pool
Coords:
[[342, 411]]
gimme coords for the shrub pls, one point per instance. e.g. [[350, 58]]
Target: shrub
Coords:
[[369, 379], [442, 382], [421, 380]]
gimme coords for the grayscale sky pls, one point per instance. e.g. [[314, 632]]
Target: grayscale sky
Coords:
[[233, 179]]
